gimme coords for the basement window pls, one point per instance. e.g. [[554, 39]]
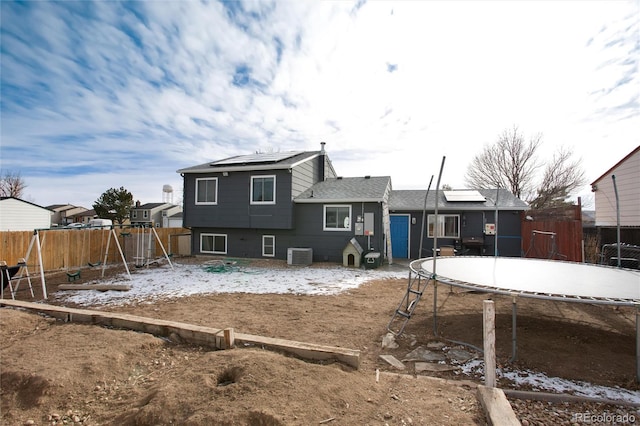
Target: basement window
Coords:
[[268, 245], [213, 243]]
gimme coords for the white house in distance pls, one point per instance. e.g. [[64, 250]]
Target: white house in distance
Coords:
[[20, 215], [66, 214], [627, 180]]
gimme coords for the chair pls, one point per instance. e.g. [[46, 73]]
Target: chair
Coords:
[[447, 251]]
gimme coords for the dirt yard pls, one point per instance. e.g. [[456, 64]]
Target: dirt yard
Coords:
[[63, 373]]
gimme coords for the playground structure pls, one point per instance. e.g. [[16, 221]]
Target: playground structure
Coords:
[[71, 251], [517, 277], [622, 255], [543, 245]]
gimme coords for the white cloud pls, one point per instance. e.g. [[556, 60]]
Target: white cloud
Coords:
[[392, 87]]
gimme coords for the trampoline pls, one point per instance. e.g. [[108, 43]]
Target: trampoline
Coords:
[[535, 278]]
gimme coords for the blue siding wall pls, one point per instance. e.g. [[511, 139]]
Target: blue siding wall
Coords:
[[327, 245], [234, 209], [472, 225]]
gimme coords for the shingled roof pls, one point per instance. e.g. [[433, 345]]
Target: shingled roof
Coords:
[[367, 189], [267, 161], [413, 200]]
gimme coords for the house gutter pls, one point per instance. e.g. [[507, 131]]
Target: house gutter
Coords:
[[334, 200]]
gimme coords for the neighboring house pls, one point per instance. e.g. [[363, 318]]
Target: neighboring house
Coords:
[[627, 179], [172, 220], [262, 205], [85, 217], [627, 176], [20, 215], [588, 219], [153, 214], [466, 221], [65, 214]]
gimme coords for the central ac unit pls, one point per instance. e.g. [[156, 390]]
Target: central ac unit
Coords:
[[299, 256]]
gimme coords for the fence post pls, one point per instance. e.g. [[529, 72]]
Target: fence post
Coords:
[[489, 339]]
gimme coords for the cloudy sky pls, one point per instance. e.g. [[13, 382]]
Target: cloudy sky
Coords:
[[99, 95]]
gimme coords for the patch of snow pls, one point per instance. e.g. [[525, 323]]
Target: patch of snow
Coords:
[[541, 382], [152, 284]]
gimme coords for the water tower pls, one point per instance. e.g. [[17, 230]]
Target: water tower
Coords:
[[167, 194]]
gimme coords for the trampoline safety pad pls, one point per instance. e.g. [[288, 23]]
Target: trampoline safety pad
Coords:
[[549, 279]]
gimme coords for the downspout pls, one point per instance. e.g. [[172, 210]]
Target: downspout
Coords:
[[322, 161], [386, 223]]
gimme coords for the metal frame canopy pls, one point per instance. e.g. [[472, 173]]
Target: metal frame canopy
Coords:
[[536, 278]]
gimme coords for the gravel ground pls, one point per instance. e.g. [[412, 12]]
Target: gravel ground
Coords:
[[539, 413]]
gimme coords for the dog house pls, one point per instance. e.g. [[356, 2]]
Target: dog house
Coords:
[[352, 254]]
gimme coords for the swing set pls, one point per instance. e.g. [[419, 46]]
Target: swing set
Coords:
[[20, 271], [146, 240], [145, 248]]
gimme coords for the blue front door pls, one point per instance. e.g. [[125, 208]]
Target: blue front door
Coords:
[[400, 236]]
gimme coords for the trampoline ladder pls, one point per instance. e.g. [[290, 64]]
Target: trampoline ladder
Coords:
[[415, 288]]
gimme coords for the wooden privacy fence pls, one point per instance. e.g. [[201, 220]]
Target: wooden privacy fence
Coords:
[[553, 234], [70, 249]]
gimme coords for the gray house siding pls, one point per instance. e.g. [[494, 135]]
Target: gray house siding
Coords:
[[305, 175], [472, 224], [474, 209], [327, 245], [233, 208]]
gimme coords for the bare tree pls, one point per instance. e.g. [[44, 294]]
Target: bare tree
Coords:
[[12, 185], [512, 163], [561, 177], [509, 163]]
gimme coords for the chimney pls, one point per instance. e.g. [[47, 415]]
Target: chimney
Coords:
[[323, 162], [138, 204]]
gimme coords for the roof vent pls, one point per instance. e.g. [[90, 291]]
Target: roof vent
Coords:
[[339, 178], [367, 177]]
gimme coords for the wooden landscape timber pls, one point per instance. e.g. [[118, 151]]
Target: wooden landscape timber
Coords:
[[98, 287], [192, 334]]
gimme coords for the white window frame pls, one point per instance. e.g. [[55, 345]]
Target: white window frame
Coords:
[[441, 225], [324, 217], [198, 180], [251, 200], [145, 214], [213, 251], [272, 245], [134, 214]]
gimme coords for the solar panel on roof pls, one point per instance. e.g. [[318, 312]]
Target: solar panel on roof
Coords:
[[272, 157], [471, 195]]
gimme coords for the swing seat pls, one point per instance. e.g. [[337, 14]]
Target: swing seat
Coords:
[[98, 263], [8, 272], [72, 276]]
